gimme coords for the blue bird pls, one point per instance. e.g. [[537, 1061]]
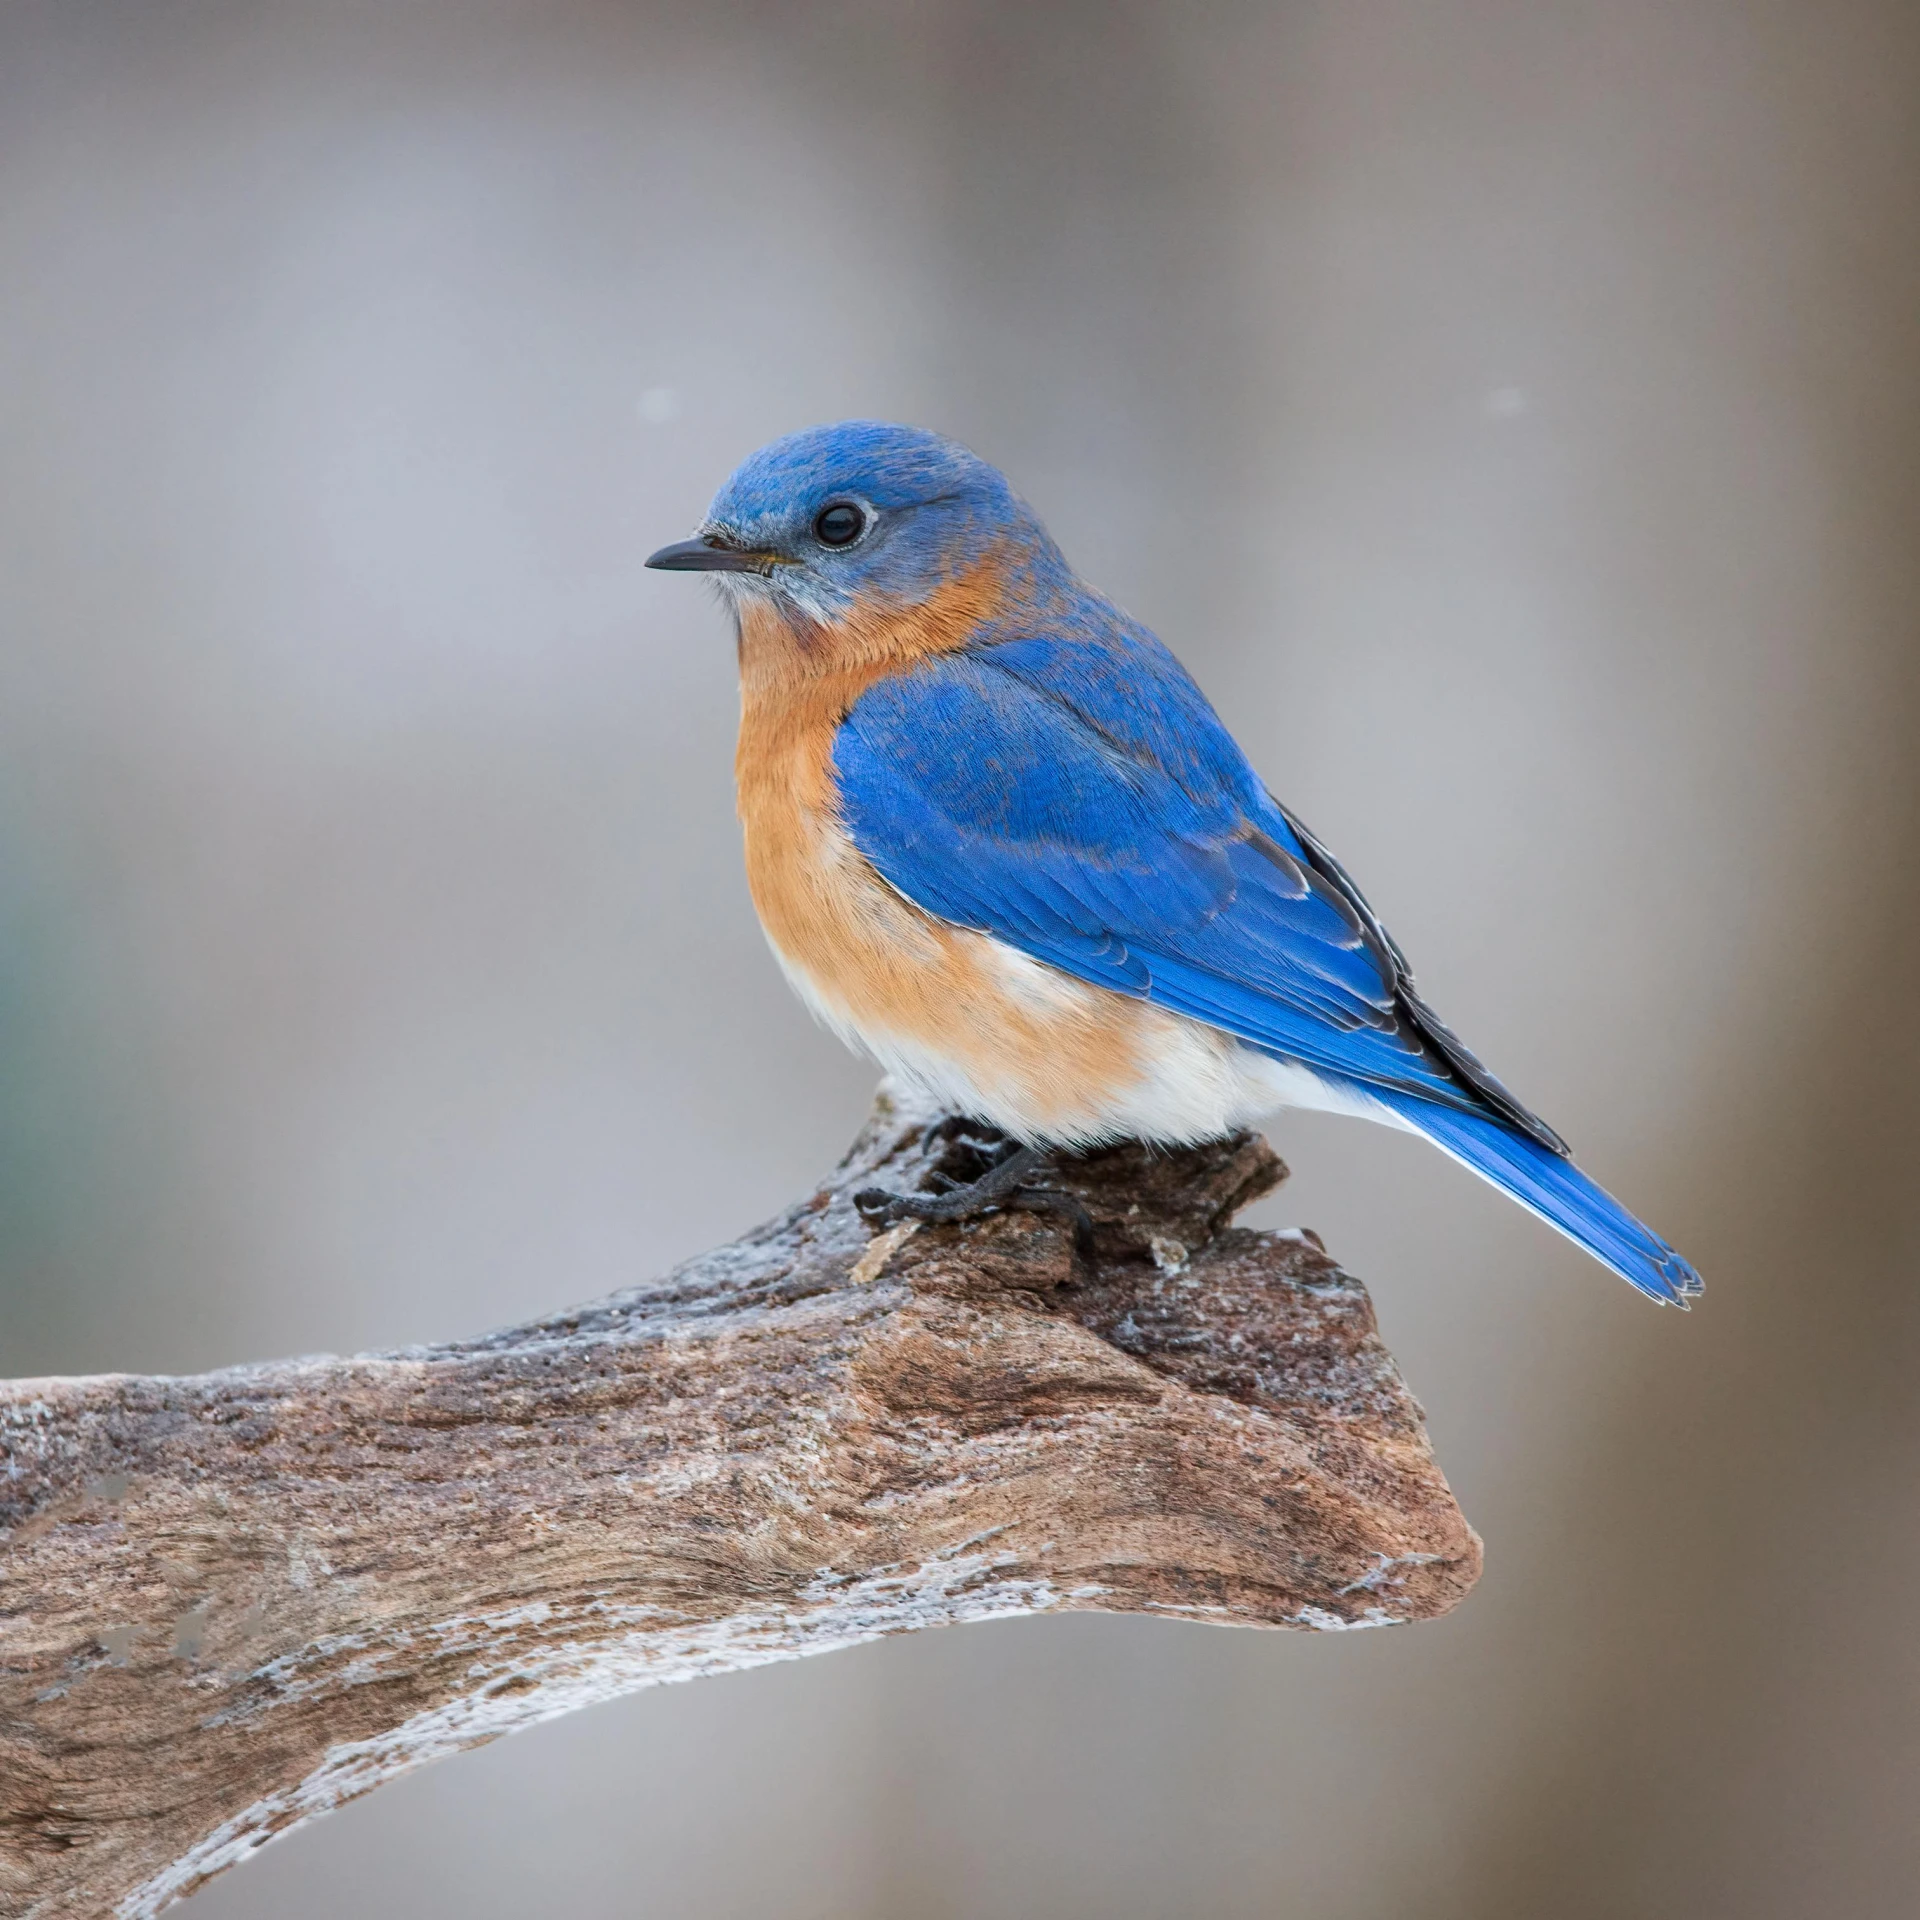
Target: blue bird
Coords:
[[1000, 842]]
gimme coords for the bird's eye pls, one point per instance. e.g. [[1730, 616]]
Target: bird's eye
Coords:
[[839, 525]]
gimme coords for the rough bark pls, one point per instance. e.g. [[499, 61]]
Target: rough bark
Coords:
[[231, 1602]]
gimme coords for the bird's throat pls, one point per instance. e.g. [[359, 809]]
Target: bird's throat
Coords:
[[784, 651]]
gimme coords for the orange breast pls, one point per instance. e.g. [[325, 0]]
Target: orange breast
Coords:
[[1036, 1044]]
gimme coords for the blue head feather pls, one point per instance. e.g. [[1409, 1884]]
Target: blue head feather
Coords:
[[930, 511]]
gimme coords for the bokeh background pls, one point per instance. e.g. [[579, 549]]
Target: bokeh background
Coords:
[[1509, 408]]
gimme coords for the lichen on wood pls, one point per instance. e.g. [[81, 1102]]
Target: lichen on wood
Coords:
[[230, 1602]]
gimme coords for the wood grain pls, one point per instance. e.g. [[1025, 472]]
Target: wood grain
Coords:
[[231, 1602]]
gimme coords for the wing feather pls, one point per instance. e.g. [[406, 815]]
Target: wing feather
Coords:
[[1081, 801]]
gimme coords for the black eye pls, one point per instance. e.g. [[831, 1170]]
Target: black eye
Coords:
[[839, 525]]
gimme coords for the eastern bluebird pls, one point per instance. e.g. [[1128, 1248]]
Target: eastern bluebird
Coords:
[[1000, 842]]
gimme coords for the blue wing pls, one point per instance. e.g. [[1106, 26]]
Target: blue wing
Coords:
[[1079, 799], [1111, 827]]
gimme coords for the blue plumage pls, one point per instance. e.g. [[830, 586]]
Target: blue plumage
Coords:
[[1004, 808], [1559, 1193], [1057, 781], [1120, 835]]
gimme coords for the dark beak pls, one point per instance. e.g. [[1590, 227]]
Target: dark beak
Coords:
[[709, 555]]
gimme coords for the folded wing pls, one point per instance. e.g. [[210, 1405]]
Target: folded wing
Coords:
[[1111, 828]]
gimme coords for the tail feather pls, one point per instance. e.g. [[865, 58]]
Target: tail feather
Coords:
[[1557, 1191]]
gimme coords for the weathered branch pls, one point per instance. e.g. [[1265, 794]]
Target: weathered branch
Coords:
[[229, 1603]]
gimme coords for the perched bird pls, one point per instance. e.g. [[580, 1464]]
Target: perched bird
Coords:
[[1000, 842]]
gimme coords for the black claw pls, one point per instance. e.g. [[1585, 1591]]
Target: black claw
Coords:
[[1071, 1209], [998, 1189], [875, 1206]]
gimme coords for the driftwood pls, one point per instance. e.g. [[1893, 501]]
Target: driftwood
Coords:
[[231, 1602]]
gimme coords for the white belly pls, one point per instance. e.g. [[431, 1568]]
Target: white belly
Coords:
[[1191, 1081]]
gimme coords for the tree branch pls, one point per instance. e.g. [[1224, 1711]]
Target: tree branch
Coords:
[[231, 1602]]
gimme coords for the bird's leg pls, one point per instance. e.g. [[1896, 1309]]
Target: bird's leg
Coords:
[[968, 1148], [1004, 1186], [961, 1201]]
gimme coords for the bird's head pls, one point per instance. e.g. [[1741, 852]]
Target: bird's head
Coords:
[[859, 516]]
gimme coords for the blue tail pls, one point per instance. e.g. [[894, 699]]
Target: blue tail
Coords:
[[1556, 1190]]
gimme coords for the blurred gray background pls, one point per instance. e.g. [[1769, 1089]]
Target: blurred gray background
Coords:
[[1509, 408]]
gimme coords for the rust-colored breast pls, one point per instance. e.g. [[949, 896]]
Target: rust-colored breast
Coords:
[[879, 967], [872, 958]]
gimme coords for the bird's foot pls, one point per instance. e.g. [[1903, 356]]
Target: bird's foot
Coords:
[[1004, 1186]]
